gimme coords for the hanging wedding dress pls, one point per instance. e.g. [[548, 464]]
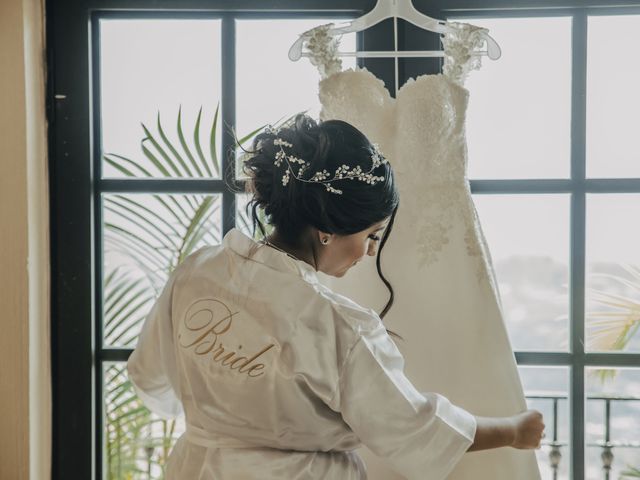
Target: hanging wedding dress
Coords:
[[447, 305]]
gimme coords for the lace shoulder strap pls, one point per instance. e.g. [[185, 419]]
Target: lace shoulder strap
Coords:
[[459, 44], [322, 49]]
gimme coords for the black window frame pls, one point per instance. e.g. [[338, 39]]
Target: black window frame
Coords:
[[75, 185]]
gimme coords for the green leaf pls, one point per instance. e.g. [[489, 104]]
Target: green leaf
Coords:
[[162, 153], [171, 148], [140, 221], [145, 211], [632, 472], [183, 142], [125, 311], [212, 142], [119, 241], [202, 209], [196, 142], [115, 164]]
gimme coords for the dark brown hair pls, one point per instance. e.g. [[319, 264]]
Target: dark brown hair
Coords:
[[293, 207]]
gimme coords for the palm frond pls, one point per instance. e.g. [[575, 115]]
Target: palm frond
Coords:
[[196, 142], [613, 328], [632, 472], [172, 149], [213, 150], [153, 158], [185, 146]]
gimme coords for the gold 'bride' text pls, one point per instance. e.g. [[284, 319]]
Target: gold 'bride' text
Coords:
[[209, 319]]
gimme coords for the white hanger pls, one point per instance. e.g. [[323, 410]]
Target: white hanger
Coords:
[[395, 9]]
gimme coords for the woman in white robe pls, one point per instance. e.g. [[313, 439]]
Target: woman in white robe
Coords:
[[278, 376]]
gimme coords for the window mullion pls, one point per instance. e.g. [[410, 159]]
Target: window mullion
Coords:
[[228, 105], [97, 240], [577, 248]]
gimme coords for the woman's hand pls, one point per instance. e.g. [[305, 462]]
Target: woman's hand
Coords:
[[522, 431], [528, 430]]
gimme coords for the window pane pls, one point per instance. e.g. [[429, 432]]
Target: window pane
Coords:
[[519, 113], [528, 237], [269, 86], [136, 442], [613, 98], [145, 237], [150, 70], [546, 390], [243, 217], [612, 272], [612, 437]]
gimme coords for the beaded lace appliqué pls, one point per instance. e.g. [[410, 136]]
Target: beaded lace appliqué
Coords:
[[459, 45], [323, 49]]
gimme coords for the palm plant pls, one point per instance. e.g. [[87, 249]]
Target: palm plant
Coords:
[[633, 472], [616, 326], [149, 236]]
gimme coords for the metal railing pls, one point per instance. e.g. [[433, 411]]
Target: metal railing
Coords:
[[607, 455]]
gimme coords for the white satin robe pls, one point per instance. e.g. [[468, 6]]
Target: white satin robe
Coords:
[[281, 378]]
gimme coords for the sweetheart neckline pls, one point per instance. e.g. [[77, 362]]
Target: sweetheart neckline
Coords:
[[410, 81]]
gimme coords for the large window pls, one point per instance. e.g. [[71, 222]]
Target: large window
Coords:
[[553, 165], [145, 105]]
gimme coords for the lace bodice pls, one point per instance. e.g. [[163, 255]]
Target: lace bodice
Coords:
[[421, 131], [424, 125]]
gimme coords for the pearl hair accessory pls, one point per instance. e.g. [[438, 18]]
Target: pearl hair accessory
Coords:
[[322, 177]]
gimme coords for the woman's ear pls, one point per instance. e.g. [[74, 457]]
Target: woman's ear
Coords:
[[325, 238]]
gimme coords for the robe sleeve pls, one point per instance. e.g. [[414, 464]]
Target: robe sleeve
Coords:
[[421, 435], [152, 366]]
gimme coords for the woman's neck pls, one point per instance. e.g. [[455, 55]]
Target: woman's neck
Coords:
[[298, 251]]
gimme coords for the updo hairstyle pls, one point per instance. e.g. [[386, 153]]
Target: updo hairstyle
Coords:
[[293, 207]]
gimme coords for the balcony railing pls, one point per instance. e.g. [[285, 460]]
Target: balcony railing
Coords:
[[607, 446]]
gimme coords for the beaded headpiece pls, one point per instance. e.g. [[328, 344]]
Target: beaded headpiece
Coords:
[[343, 172]]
